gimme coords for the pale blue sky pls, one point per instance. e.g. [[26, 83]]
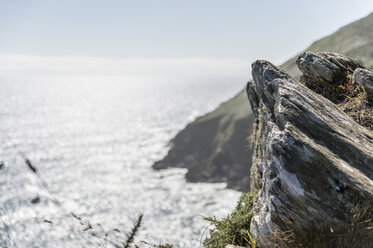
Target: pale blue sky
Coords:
[[217, 29]]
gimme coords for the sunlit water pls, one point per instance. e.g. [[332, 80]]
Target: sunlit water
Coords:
[[93, 142]]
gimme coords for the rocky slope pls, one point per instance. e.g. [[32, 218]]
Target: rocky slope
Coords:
[[313, 161]]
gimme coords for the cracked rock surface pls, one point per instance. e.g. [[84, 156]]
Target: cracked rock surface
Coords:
[[313, 161]]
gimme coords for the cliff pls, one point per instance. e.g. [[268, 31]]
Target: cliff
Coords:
[[312, 170], [214, 147], [314, 157]]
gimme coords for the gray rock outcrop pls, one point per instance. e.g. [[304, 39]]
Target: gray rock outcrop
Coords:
[[364, 77], [313, 162]]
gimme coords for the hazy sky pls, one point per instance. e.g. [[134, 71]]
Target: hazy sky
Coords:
[[234, 29]]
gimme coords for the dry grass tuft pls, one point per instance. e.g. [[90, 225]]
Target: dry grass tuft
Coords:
[[349, 96], [357, 106], [355, 232]]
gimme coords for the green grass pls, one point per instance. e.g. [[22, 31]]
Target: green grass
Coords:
[[235, 228]]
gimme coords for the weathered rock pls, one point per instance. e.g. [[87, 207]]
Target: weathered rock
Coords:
[[313, 161], [324, 72], [326, 66], [253, 97], [364, 77], [339, 84], [317, 67]]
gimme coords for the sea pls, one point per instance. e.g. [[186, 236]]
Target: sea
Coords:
[[92, 128]]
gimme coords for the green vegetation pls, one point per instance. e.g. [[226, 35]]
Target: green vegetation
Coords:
[[134, 231], [235, 228]]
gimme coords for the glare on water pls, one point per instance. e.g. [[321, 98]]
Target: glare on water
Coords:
[[93, 136]]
